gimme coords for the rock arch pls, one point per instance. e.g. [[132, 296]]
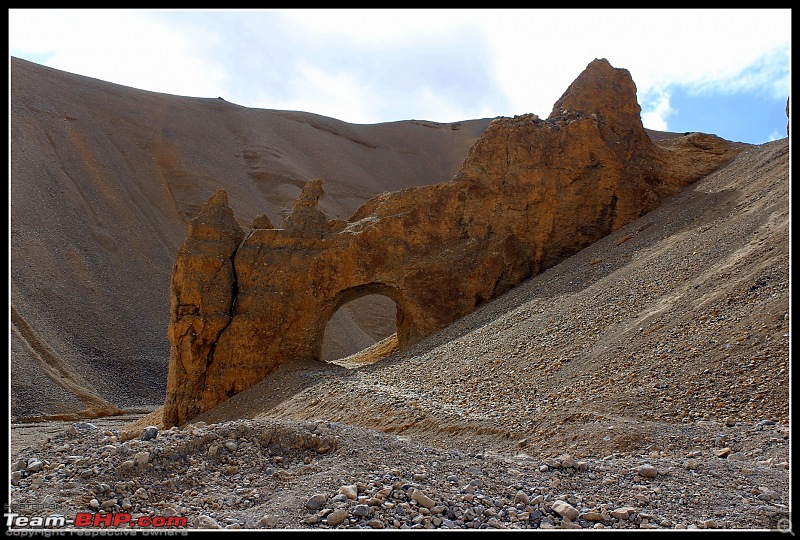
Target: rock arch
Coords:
[[530, 193], [346, 296], [364, 328]]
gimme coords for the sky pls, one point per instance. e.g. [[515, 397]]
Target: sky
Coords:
[[720, 71]]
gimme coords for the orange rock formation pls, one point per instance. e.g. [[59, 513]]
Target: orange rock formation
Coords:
[[530, 193]]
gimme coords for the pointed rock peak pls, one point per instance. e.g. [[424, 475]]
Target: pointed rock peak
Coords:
[[600, 64], [216, 205], [216, 219], [220, 198], [601, 89], [263, 222], [312, 191], [305, 218]]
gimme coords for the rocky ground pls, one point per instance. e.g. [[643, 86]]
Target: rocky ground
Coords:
[[288, 474], [643, 383]]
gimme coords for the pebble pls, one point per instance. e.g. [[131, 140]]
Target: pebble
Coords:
[[206, 522], [565, 509], [692, 464], [567, 523], [336, 517], [521, 498], [149, 433], [567, 461], [141, 458], [351, 492], [621, 513], [423, 499], [268, 522], [647, 471], [361, 510], [722, 452], [316, 501]]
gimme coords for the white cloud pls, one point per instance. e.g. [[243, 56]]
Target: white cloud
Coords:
[[530, 56], [767, 75], [128, 47], [539, 52], [381, 26], [435, 105], [774, 136], [655, 109], [337, 95]]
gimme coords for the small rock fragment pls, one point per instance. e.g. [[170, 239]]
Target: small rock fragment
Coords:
[[351, 492], [336, 517], [564, 509], [647, 471], [316, 501], [149, 433]]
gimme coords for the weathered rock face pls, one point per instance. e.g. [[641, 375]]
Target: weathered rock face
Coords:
[[530, 193], [204, 292]]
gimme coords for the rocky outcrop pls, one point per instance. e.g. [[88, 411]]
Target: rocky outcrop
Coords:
[[306, 220], [204, 292], [530, 193]]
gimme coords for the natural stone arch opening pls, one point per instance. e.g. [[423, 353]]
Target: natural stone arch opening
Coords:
[[382, 303], [365, 326]]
